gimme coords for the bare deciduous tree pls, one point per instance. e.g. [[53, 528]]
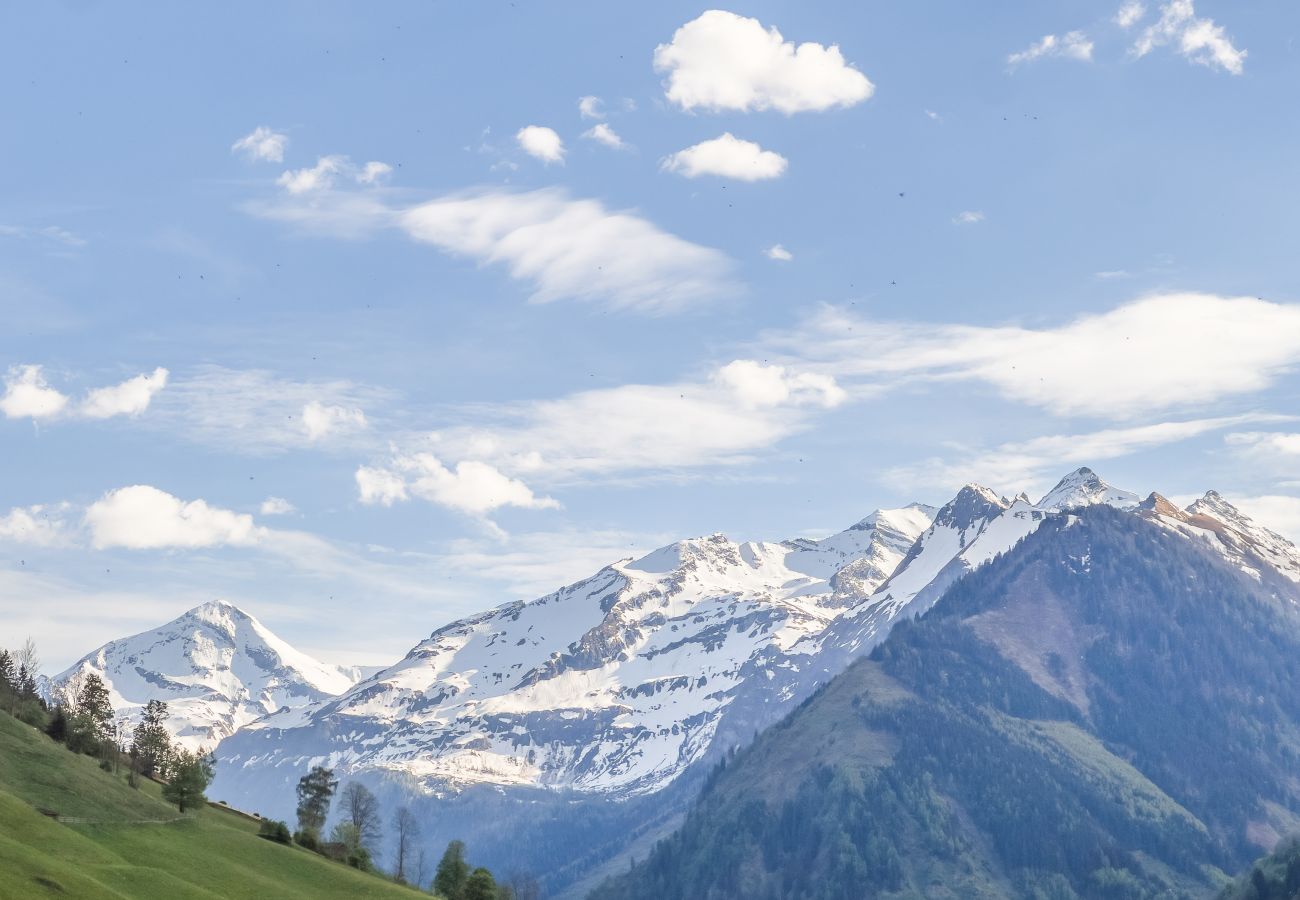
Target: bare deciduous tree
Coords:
[[407, 828]]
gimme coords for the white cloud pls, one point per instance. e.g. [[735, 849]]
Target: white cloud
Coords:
[[591, 107], [541, 142], [933, 116], [472, 487], [1130, 14], [1199, 40], [29, 396], [968, 217], [1072, 45], [380, 486], [602, 133], [319, 421], [1037, 462], [778, 253], [142, 517], [51, 232], [262, 144], [328, 169], [130, 398], [1279, 512], [728, 157], [277, 506], [39, 525], [573, 248], [255, 412], [1275, 450], [758, 385], [374, 172], [722, 419], [1163, 351], [722, 61]]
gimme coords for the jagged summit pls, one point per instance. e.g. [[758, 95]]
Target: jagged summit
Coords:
[[217, 668], [1084, 487]]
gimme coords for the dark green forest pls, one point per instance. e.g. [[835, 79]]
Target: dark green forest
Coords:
[[1106, 711]]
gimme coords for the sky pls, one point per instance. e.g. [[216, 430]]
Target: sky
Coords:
[[370, 318]]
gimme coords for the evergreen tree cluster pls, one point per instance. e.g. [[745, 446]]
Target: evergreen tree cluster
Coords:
[[19, 693]]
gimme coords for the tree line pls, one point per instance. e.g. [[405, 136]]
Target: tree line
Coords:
[[358, 830], [79, 714]]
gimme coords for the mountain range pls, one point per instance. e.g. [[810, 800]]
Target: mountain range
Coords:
[[591, 717]]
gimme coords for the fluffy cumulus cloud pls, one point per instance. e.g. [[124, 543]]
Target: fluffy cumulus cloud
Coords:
[[1200, 40], [328, 170], [262, 144], [1072, 45], [728, 157], [320, 421], [142, 517], [778, 253], [277, 506], [471, 486], [130, 398], [722, 61], [573, 248], [28, 395], [541, 142], [380, 486], [759, 385], [1160, 352], [601, 133], [39, 526]]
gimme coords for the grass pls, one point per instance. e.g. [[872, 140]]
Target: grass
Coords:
[[216, 854]]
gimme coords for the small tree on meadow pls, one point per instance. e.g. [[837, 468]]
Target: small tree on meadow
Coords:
[[407, 828], [190, 775], [480, 886], [151, 745], [361, 808], [314, 792], [453, 872]]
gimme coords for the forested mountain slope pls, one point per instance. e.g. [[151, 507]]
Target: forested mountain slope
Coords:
[[1106, 710]]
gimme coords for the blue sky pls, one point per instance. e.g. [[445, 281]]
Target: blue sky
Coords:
[[479, 337]]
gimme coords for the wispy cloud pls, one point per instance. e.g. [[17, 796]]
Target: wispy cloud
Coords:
[[968, 217], [262, 144], [1035, 462], [1071, 45], [1200, 40], [601, 133], [566, 248], [1178, 351]]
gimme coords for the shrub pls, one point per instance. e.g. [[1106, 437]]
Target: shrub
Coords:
[[307, 838], [274, 831]]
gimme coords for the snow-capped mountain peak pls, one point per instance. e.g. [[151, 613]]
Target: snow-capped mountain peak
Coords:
[[217, 668], [1084, 487]]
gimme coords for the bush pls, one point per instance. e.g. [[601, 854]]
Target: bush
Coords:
[[308, 839], [274, 831]]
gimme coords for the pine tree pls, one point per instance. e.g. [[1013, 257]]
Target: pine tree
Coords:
[[92, 723], [150, 742], [314, 792], [452, 877]]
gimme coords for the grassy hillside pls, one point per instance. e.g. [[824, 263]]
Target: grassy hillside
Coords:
[[138, 846], [1107, 711]]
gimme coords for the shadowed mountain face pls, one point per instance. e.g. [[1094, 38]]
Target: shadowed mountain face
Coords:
[[1108, 710]]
